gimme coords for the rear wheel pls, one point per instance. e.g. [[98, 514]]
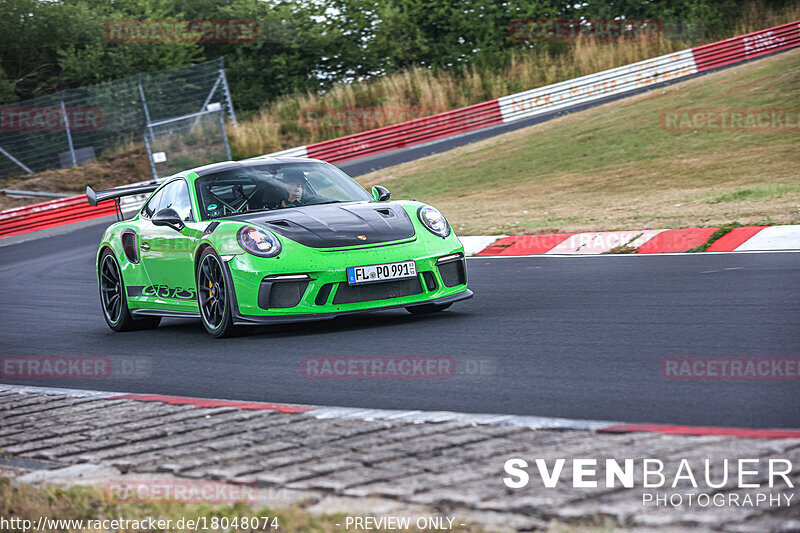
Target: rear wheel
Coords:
[[214, 295], [113, 298], [425, 309]]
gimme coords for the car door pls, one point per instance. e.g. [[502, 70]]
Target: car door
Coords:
[[167, 253], [137, 283]]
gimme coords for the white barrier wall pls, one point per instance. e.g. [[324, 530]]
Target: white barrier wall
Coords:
[[597, 86]]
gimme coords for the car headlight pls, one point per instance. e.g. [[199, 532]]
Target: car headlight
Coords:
[[258, 241], [432, 219]]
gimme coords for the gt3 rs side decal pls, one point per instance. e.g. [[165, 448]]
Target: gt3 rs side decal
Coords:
[[162, 291]]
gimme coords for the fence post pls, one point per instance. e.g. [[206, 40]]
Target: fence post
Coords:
[[211, 93], [206, 102], [150, 157], [144, 106], [15, 160], [224, 135], [227, 91], [69, 134]]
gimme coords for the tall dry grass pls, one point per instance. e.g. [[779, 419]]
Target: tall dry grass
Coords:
[[419, 91], [285, 124]]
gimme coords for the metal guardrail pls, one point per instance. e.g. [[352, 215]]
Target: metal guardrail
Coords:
[[50, 214], [647, 73], [562, 95], [13, 192]]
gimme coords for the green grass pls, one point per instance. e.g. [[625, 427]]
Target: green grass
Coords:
[[625, 248], [616, 167], [721, 232], [757, 193], [89, 503]]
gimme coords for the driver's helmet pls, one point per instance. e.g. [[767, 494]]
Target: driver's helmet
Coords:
[[293, 176]]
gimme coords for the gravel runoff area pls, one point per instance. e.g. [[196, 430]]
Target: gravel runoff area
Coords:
[[356, 466]]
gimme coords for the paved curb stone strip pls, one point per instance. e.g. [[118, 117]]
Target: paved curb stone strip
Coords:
[[332, 462]]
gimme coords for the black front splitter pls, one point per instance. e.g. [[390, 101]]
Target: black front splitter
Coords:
[[251, 320]]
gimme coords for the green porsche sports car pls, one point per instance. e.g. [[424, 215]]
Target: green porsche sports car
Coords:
[[272, 240]]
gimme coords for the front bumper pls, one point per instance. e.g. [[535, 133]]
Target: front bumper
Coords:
[[312, 284], [244, 320]]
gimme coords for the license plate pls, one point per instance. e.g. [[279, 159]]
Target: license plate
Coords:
[[384, 272]]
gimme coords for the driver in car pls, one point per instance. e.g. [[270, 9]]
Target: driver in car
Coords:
[[296, 195]]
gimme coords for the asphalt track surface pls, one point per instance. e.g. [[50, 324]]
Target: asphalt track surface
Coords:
[[575, 337]]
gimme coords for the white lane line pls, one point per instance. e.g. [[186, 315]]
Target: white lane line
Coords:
[[661, 254]]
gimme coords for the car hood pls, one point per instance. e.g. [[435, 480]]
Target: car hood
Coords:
[[334, 225]]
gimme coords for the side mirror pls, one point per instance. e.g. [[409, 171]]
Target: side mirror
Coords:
[[381, 194], [168, 217]]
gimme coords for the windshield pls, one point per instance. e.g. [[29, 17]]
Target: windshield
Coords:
[[274, 186]]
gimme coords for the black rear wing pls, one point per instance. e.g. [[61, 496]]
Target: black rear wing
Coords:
[[115, 194]]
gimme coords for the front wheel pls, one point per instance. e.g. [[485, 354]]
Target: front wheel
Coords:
[[214, 296], [113, 298], [425, 309]]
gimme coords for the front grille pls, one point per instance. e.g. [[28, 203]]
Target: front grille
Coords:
[[430, 281], [322, 295], [453, 273], [348, 294], [281, 294]]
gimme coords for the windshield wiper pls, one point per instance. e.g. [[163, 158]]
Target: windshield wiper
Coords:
[[328, 202]]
